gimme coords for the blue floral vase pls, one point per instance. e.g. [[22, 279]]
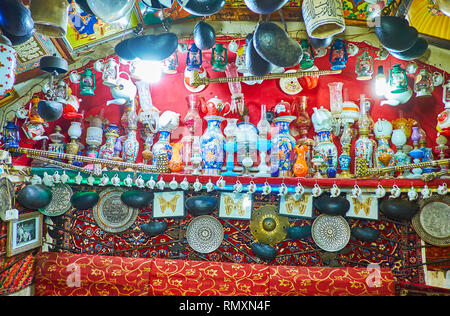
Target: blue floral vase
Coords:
[[162, 145], [282, 145], [212, 146]]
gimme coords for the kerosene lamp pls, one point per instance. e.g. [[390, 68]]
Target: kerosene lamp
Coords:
[[219, 57], [308, 55], [194, 58], [364, 66], [11, 137], [338, 54], [416, 153], [87, 83], [57, 144]]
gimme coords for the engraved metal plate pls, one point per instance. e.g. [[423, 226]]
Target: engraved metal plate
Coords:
[[432, 223], [204, 234], [60, 203], [6, 194], [330, 233], [111, 214]]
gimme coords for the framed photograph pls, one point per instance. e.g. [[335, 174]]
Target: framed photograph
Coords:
[[365, 207], [303, 207], [168, 204], [25, 233], [235, 206], [85, 30]]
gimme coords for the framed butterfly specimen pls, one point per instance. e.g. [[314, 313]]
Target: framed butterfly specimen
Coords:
[[365, 206], [296, 207], [168, 204], [235, 206]]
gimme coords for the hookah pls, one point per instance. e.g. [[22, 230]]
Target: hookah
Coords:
[[263, 144]]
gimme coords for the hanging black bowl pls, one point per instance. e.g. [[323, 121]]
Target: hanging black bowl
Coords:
[[201, 205], [153, 47], [274, 45], [204, 35], [50, 110], [263, 251], [84, 6], [122, 50], [153, 228], [416, 51], [137, 198], [84, 200], [398, 209], [334, 206], [15, 18], [17, 40], [204, 7], [34, 196], [265, 6], [256, 65], [366, 234], [394, 33], [53, 64], [320, 42], [299, 232]]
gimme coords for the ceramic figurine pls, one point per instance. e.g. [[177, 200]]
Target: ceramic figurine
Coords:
[[300, 167]]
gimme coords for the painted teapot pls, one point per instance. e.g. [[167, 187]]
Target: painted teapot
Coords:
[[215, 107], [321, 119]]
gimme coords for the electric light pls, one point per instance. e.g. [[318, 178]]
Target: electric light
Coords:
[[380, 82], [147, 70]]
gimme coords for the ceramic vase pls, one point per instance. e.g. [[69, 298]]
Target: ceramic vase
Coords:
[[107, 150], [323, 18], [7, 68], [326, 148], [130, 147], [283, 147], [162, 145], [212, 146]]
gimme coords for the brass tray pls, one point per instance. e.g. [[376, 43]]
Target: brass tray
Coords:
[[267, 226], [111, 214], [432, 223]]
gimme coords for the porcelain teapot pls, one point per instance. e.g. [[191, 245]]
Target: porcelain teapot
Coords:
[[321, 119], [124, 91], [215, 107], [382, 128], [34, 131]]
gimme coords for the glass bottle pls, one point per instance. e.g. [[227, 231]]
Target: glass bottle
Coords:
[[193, 122]]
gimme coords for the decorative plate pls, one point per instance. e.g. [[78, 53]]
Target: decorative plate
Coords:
[[188, 75], [330, 233], [6, 194], [204, 234], [111, 214], [60, 203], [432, 223], [267, 226], [290, 85]]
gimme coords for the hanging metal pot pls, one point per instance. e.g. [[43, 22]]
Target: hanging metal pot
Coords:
[[265, 6], [110, 11], [204, 7], [15, 18], [50, 17]]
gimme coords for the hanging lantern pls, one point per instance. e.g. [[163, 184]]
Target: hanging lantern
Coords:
[[364, 66], [194, 58], [170, 64], [87, 82], [7, 65], [50, 17], [308, 55], [338, 55], [423, 84], [11, 136], [219, 58], [398, 82]]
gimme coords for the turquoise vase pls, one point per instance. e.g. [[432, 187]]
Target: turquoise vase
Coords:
[[212, 146]]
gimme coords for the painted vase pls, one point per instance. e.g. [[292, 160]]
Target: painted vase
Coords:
[[162, 145], [212, 146], [384, 154], [282, 144], [364, 148], [300, 167], [111, 135], [176, 162], [130, 147], [326, 148]]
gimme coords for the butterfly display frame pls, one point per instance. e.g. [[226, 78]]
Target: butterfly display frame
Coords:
[[235, 206], [288, 206], [168, 204], [364, 207]]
